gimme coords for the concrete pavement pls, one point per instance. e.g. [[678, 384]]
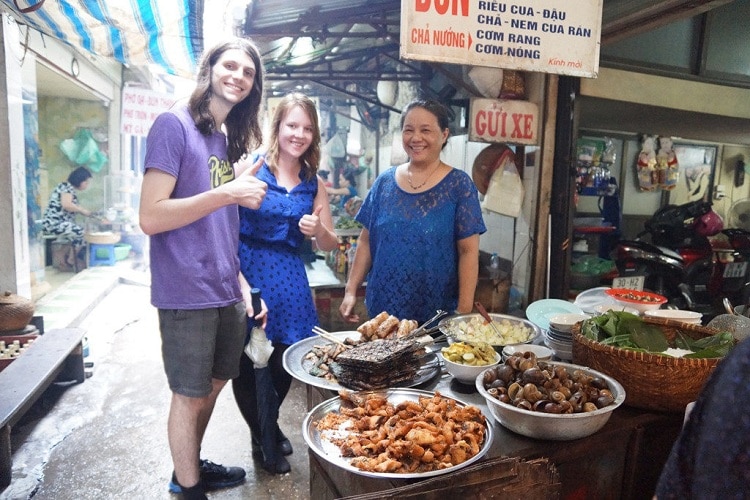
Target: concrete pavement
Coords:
[[106, 437]]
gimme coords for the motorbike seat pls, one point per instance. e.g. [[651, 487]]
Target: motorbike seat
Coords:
[[646, 251]]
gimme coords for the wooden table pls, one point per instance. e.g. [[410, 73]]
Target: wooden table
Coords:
[[622, 460]]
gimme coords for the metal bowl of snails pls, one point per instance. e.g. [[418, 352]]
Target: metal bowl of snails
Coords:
[[548, 399]]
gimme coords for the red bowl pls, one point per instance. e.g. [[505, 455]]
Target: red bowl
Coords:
[[642, 301]]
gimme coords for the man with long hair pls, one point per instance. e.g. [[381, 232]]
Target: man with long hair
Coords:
[[188, 207]]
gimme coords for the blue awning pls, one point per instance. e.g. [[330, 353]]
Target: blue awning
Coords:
[[168, 33]]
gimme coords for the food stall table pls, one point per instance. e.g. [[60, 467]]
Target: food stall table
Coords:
[[622, 460]]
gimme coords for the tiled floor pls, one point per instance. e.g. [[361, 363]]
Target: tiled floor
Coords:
[[71, 299]]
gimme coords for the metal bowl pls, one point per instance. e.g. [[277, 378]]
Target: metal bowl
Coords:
[[550, 426], [320, 441], [450, 326]]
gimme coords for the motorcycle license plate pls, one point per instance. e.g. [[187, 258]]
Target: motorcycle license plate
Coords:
[[629, 282], [735, 270]]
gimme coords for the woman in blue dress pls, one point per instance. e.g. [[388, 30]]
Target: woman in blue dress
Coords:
[[295, 208], [419, 249]]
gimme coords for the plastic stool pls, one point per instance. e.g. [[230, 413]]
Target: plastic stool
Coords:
[[101, 255]]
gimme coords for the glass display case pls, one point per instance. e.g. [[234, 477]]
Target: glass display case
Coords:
[[121, 197]]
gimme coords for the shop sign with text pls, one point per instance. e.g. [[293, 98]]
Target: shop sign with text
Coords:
[[140, 107], [495, 120], [546, 36]]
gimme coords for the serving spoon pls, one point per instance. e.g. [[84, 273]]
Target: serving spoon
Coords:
[[728, 307], [487, 317]]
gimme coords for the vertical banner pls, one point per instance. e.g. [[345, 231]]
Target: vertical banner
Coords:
[[544, 36]]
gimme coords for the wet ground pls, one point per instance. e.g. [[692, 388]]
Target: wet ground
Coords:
[[106, 438]]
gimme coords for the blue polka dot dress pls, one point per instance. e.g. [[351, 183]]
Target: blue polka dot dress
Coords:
[[270, 259]]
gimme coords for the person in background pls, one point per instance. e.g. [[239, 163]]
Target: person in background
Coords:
[[60, 216], [188, 207], [419, 248], [295, 208], [711, 457], [347, 187]]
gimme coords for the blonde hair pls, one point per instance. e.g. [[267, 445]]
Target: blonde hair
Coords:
[[310, 159]]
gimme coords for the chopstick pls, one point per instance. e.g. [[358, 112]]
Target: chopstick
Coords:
[[326, 335]]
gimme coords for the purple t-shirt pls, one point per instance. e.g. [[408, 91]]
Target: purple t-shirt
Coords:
[[195, 266]]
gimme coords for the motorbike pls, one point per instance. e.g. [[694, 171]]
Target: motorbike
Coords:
[[731, 265], [671, 258]]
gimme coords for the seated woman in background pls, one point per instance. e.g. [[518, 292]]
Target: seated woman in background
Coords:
[[59, 217], [346, 190]]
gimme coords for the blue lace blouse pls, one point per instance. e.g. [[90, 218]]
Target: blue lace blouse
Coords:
[[413, 240]]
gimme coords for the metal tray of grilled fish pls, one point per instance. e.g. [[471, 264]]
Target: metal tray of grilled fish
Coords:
[[298, 367]]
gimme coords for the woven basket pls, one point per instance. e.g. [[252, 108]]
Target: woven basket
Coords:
[[15, 311], [102, 238], [651, 381]]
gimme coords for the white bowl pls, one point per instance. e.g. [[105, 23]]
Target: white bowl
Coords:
[[549, 426], [466, 374], [541, 352], [677, 315], [564, 322]]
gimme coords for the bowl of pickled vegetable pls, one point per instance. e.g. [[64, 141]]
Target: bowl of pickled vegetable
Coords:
[[504, 330], [466, 361]]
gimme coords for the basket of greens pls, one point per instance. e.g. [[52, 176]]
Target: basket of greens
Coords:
[[661, 363]]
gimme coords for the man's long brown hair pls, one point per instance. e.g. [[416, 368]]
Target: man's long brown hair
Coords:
[[310, 159], [242, 122]]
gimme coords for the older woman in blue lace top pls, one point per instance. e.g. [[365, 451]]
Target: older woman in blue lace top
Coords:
[[419, 248]]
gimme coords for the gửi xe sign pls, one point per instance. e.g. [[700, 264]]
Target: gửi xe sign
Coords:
[[547, 36], [496, 120]]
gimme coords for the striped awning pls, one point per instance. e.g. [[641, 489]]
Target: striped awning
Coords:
[[168, 33]]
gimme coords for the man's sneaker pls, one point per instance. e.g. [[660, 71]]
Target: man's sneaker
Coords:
[[196, 492], [213, 477]]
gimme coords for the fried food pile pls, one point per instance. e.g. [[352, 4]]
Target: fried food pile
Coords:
[[430, 434], [386, 326]]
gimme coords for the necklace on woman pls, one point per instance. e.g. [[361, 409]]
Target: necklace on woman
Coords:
[[408, 177]]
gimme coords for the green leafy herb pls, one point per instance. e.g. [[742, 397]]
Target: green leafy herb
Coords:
[[628, 331]]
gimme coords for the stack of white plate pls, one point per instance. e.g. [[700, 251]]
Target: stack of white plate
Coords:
[[558, 335], [560, 342]]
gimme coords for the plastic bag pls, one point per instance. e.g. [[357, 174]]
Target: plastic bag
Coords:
[[82, 149], [259, 348], [505, 191], [592, 265]]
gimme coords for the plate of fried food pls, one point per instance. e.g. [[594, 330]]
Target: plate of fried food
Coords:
[[397, 433], [364, 359]]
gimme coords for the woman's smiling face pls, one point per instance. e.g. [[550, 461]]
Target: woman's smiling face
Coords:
[[421, 135], [295, 132]]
